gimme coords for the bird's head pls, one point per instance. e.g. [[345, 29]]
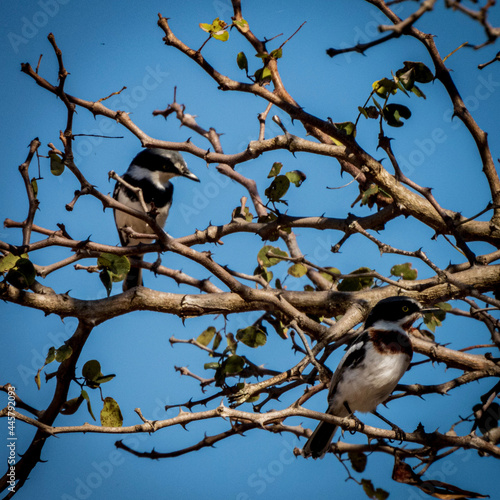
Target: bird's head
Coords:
[[401, 311], [162, 164]]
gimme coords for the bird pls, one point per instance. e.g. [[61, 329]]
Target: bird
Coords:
[[370, 369], [151, 170]]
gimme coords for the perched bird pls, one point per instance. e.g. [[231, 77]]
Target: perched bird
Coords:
[[151, 170], [370, 369]]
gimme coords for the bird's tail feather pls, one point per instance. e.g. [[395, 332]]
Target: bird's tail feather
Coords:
[[134, 276], [320, 439]]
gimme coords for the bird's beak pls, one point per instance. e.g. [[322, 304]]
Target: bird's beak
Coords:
[[430, 310], [191, 176]]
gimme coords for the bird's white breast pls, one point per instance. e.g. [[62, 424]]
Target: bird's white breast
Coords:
[[370, 383], [139, 226]]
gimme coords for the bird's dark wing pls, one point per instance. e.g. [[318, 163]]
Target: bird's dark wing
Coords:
[[353, 357], [150, 192]]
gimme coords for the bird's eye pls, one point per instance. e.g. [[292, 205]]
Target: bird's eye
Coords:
[[405, 309]]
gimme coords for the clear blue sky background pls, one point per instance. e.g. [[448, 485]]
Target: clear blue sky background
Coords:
[[108, 45]]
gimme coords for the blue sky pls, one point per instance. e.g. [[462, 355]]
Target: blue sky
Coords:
[[110, 45]]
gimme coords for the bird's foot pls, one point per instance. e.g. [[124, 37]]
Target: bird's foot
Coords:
[[358, 425], [400, 434]]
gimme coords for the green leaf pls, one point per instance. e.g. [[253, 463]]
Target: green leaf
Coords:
[[206, 27], [404, 271], [222, 35], [51, 355], [263, 75], [393, 113], [444, 306], [368, 487], [246, 215], [370, 196], [91, 369], [111, 415], [385, 87], [328, 276], [297, 270], [89, 406], [22, 274], [104, 378], [242, 24], [275, 169], [63, 353], [9, 261], [354, 284], [358, 460], [377, 105], [267, 261], [117, 265], [278, 188], [431, 321], [232, 345], [435, 318], [218, 25], [346, 128], [217, 29], [242, 61], [296, 177], [93, 376], [266, 219], [419, 72], [262, 271], [71, 406], [414, 72], [381, 494], [363, 111], [367, 198], [206, 336], [277, 53], [278, 325], [369, 112], [418, 92], [213, 365], [56, 164], [217, 341], [252, 336], [34, 186], [233, 365]]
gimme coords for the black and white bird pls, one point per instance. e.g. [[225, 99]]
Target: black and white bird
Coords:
[[371, 368], [151, 171]]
